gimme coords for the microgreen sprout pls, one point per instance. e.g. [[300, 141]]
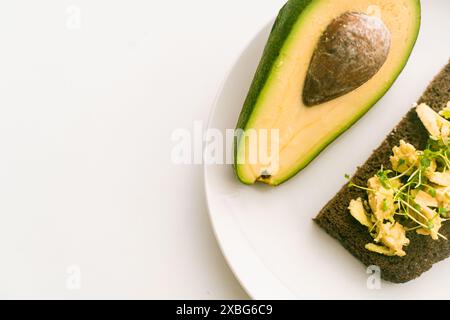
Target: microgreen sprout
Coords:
[[385, 205], [425, 163], [432, 191], [417, 206], [383, 177], [400, 189]]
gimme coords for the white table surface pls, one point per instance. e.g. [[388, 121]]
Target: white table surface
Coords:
[[91, 205]]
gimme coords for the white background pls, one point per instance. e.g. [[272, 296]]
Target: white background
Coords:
[[86, 117]]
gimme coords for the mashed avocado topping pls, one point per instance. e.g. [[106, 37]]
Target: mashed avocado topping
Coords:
[[412, 197]]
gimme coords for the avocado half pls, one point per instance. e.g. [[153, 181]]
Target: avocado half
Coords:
[[304, 113]]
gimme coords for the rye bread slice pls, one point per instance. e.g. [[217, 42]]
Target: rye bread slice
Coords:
[[335, 217]]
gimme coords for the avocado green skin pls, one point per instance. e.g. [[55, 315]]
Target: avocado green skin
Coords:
[[287, 18], [280, 32]]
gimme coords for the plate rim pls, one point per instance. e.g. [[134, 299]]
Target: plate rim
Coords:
[[249, 286]]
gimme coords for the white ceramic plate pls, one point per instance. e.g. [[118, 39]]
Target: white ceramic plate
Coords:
[[267, 234]]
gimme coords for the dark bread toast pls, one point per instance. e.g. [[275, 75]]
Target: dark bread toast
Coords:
[[335, 217]]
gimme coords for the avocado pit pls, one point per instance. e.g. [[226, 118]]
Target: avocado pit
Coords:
[[350, 52]]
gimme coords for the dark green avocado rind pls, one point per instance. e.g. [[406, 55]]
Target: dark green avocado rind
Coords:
[[281, 30]]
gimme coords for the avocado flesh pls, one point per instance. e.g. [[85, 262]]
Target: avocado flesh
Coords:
[[275, 97]]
